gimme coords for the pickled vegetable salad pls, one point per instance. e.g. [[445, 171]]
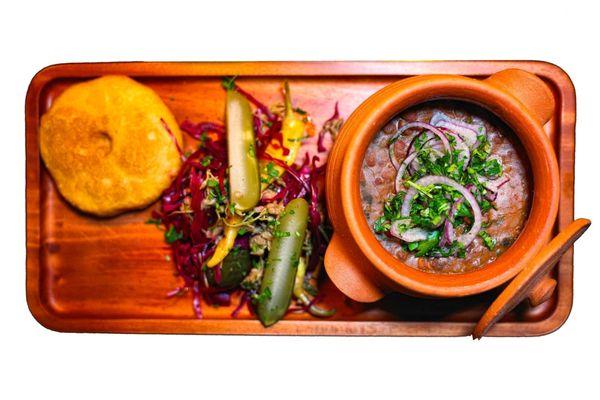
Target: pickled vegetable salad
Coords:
[[243, 215]]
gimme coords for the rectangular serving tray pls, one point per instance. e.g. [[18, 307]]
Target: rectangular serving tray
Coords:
[[86, 274]]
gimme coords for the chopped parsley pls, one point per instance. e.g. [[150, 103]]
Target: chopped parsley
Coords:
[[206, 160], [425, 246], [299, 111], [171, 235], [263, 296], [281, 234], [228, 82], [488, 241], [154, 221], [272, 171], [434, 204], [382, 225]]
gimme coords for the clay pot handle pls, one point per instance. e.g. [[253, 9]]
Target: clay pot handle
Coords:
[[346, 267], [529, 89], [537, 98]]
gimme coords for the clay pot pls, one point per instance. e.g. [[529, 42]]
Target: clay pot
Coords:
[[358, 264]]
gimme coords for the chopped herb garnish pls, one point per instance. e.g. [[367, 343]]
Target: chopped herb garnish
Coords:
[[281, 234], [299, 111], [488, 241], [272, 171], [154, 221], [263, 296], [421, 189], [171, 235], [382, 225], [228, 83], [206, 161], [424, 246], [492, 168]]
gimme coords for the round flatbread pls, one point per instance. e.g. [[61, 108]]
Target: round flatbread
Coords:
[[111, 145]]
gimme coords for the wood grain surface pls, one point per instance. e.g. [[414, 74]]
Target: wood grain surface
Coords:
[[86, 274]]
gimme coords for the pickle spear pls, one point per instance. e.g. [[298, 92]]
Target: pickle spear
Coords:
[[244, 175], [280, 270]]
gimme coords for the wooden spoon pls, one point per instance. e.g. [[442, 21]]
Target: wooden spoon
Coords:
[[522, 284]]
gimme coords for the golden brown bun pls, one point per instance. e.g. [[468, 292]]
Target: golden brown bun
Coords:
[[105, 145]]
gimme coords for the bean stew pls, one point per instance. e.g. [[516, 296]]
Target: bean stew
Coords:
[[445, 187]]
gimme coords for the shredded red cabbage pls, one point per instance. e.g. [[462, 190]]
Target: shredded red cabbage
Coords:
[[263, 108], [181, 204], [244, 300], [164, 124], [182, 199]]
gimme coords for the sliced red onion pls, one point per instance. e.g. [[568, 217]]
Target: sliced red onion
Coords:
[[467, 134], [392, 155], [466, 238], [409, 235], [435, 149], [440, 116], [428, 137], [491, 196], [501, 183], [402, 170], [448, 236], [471, 188], [494, 185], [454, 208], [412, 125]]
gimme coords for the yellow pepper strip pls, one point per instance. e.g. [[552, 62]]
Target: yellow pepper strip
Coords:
[[292, 133], [226, 243]]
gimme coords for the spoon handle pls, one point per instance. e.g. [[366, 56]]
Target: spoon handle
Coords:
[[537, 269]]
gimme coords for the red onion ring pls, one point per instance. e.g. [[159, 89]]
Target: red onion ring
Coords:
[[402, 169], [411, 125], [493, 185], [438, 116], [467, 134], [428, 137], [454, 209], [466, 238], [435, 147], [448, 236]]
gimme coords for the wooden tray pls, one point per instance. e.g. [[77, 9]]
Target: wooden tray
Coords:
[[111, 275]]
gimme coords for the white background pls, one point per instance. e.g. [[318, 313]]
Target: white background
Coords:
[[36, 361]]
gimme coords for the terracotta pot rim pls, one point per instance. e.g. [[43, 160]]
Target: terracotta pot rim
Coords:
[[366, 121]]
